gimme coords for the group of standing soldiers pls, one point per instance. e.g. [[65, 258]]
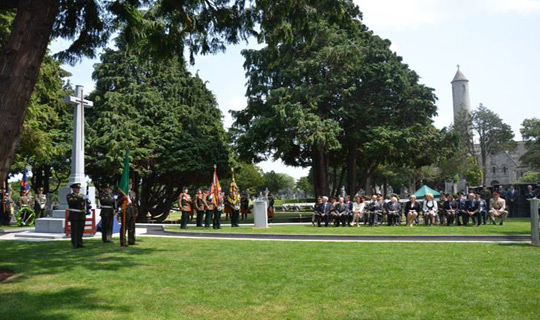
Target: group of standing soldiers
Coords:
[[447, 211], [26, 204], [109, 204], [208, 209]]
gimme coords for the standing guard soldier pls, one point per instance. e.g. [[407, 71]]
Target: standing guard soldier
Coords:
[[25, 202], [40, 204], [5, 209], [130, 213], [233, 201], [77, 214], [218, 209], [208, 207], [199, 206], [106, 201], [271, 210], [184, 204], [244, 207]]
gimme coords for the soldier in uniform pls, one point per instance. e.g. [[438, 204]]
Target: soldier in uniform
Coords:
[[5, 209], [77, 214], [218, 210], [184, 203], [131, 216], [40, 204], [271, 210], [199, 206], [208, 208], [498, 208], [25, 201], [233, 201], [244, 206], [107, 204]]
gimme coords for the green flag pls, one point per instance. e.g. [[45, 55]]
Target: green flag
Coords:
[[124, 181]]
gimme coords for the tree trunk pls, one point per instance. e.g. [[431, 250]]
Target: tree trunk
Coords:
[[334, 192], [340, 183], [20, 61], [351, 169], [37, 178], [320, 172], [47, 179]]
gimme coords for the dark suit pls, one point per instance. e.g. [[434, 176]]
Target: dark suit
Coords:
[[511, 201], [472, 210], [394, 213], [450, 211], [341, 215], [483, 209], [323, 213], [374, 209], [461, 211]]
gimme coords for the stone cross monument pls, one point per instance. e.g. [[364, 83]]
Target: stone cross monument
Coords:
[[56, 223], [77, 148]]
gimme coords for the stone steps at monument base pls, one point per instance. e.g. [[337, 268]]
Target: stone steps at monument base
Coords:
[[50, 225]]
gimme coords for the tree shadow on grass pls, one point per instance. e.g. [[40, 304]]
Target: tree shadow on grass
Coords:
[[59, 305], [29, 259]]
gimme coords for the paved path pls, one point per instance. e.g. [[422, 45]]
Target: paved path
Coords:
[[161, 232], [154, 230]]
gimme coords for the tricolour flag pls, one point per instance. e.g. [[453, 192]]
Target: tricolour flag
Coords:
[[215, 187], [123, 187], [24, 182]]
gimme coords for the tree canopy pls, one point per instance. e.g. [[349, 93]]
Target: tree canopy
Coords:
[[530, 132], [329, 92], [493, 134], [165, 116]]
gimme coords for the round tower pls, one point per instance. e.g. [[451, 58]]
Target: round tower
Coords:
[[460, 94]]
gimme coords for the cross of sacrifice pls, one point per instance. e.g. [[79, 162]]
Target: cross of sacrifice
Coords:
[[77, 149]]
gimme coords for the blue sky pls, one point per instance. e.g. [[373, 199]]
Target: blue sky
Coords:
[[496, 43]]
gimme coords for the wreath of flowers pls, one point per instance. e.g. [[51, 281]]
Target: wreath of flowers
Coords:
[[30, 217]]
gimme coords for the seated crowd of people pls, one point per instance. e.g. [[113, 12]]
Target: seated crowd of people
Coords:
[[449, 210]]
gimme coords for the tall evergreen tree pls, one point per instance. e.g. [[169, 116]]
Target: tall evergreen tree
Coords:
[[167, 118], [493, 134]]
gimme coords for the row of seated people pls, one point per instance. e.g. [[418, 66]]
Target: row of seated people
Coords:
[[447, 211]]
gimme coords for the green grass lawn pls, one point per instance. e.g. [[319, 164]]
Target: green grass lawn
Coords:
[[520, 226], [164, 278]]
